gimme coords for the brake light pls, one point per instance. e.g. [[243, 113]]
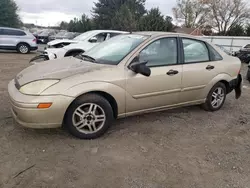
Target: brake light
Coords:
[[239, 72]]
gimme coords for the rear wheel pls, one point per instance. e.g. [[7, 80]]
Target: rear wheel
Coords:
[[216, 97], [89, 116], [23, 48], [248, 74]]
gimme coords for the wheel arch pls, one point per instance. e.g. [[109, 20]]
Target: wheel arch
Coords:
[[105, 95], [22, 43]]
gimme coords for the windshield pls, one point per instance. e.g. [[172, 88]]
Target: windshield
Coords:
[[115, 49], [84, 36]]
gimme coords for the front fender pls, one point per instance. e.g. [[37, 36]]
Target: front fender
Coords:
[[117, 92]]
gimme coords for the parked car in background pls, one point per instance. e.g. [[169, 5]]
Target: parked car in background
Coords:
[[58, 35], [43, 37], [64, 48], [127, 75], [16, 39]]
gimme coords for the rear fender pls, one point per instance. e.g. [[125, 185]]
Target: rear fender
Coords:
[[218, 78]]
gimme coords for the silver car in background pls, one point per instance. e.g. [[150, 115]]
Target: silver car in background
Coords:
[[16, 39]]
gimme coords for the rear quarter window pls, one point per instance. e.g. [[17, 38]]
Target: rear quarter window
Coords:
[[214, 55]]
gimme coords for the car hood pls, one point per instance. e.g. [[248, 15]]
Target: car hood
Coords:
[[57, 69], [54, 42], [83, 45]]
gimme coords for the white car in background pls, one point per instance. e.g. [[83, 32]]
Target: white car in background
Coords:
[[63, 48]]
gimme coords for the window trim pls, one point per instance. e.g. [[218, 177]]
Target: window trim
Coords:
[[178, 51], [210, 52], [183, 54]]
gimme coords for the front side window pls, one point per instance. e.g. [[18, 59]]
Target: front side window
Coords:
[[195, 51], [161, 52], [115, 49]]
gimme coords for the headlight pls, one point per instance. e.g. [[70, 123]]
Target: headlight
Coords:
[[37, 87]]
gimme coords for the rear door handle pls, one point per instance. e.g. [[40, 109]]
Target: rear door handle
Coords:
[[210, 67], [172, 72]]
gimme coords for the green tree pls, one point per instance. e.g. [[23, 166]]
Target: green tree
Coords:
[[155, 21], [247, 30], [80, 25], [104, 11], [124, 20], [64, 25], [8, 14], [236, 30]]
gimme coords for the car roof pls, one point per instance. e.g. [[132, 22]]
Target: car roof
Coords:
[[111, 31], [161, 33], [11, 28]]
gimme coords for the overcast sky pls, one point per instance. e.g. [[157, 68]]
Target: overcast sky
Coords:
[[52, 12]]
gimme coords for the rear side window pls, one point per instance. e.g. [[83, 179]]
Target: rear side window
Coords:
[[215, 56], [114, 34], [247, 46], [195, 51], [13, 32], [1, 32]]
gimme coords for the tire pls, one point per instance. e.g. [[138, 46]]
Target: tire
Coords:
[[23, 48], [82, 123], [208, 105], [248, 74]]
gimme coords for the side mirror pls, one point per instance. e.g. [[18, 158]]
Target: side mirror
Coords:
[[140, 67], [93, 40]]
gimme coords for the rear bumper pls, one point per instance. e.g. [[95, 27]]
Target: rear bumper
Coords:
[[236, 85]]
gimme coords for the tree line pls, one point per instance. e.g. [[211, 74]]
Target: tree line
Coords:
[[220, 17], [126, 15]]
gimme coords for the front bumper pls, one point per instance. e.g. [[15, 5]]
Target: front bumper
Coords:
[[25, 112]]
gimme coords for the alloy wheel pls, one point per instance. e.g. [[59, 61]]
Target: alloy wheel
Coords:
[[23, 49], [89, 118], [218, 97]]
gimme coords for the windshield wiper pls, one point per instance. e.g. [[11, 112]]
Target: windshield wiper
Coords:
[[87, 57]]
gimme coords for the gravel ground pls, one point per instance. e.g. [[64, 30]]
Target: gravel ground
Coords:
[[185, 147]]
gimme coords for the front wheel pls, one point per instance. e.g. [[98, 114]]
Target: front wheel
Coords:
[[89, 116], [216, 98]]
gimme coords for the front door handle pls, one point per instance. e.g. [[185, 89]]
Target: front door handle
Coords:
[[172, 72], [210, 67]]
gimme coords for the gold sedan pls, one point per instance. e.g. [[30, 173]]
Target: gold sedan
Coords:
[[126, 75]]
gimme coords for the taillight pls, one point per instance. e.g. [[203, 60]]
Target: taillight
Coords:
[[34, 40]]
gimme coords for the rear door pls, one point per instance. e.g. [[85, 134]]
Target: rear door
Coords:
[[10, 38], [201, 64]]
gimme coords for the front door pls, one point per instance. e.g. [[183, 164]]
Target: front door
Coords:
[[162, 88]]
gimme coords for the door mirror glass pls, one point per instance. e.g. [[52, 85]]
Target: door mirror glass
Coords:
[[93, 40], [140, 67]]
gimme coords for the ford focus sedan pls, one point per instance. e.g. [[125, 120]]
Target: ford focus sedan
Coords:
[[126, 75]]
